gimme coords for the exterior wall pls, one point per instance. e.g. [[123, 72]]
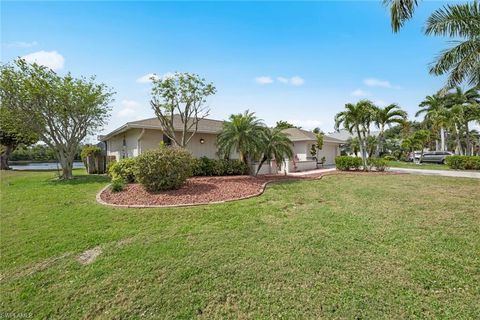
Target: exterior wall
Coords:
[[266, 169], [116, 148], [329, 151], [301, 149], [139, 140]]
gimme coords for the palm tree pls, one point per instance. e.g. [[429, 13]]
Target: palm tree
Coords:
[[469, 103], [356, 119], [244, 133], [434, 109], [461, 61], [353, 146], [385, 117], [276, 146], [400, 12]]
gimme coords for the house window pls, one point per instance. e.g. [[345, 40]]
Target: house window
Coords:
[[166, 140]]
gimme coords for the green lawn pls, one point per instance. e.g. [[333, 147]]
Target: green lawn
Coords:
[[348, 246], [430, 166]]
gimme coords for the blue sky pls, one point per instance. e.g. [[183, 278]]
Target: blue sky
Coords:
[[286, 61]]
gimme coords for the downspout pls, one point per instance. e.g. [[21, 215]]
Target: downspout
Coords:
[[138, 141]]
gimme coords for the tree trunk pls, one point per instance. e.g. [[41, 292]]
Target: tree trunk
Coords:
[[362, 150], [468, 150], [380, 143], [458, 149], [442, 138], [5, 155], [260, 165], [436, 145]]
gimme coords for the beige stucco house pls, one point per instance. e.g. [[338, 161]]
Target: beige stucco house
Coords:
[[134, 137]]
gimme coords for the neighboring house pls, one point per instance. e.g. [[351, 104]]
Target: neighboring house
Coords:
[[134, 137]]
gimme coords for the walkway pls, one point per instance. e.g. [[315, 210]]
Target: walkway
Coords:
[[444, 173]]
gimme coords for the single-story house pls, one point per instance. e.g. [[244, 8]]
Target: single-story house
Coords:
[[134, 137]]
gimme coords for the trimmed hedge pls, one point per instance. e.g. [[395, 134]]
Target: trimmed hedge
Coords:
[[346, 163], [124, 170], [166, 168], [378, 163], [463, 162], [218, 167]]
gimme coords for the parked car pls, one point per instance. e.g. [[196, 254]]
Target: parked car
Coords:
[[436, 156]]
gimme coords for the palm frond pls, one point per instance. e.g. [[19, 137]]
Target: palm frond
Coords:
[[458, 20], [400, 12]]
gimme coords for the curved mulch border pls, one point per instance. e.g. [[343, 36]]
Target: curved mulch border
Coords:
[[204, 186]]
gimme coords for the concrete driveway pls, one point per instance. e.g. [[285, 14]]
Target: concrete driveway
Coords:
[[444, 173]]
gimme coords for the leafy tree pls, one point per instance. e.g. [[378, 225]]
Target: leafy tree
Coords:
[[356, 119], [13, 131], [276, 146], [282, 124], [182, 95], [61, 110], [243, 133], [417, 141], [462, 61], [385, 117]]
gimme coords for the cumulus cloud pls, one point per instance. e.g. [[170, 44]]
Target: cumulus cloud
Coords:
[[294, 81], [50, 59], [128, 108], [380, 103], [360, 93], [263, 80], [373, 82], [149, 76], [297, 81], [21, 44], [306, 124]]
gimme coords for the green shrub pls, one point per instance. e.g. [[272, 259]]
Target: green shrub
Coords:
[[378, 163], [117, 185], [124, 169], [463, 162], [218, 167], [166, 168], [88, 151], [389, 158], [346, 163]]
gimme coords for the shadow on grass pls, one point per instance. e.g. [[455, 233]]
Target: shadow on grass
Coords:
[[82, 179]]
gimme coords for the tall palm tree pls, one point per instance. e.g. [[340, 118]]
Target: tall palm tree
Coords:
[[434, 109], [463, 60], [469, 102], [276, 146], [244, 133], [385, 117], [356, 119]]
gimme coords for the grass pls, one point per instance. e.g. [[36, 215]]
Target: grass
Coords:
[[411, 165], [348, 246]]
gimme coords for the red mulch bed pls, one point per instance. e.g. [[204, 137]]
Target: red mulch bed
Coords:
[[202, 190], [197, 190]]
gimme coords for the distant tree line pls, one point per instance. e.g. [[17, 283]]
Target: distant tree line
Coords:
[[37, 152]]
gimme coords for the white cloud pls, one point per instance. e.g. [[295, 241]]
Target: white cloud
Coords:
[[50, 59], [128, 108], [263, 80], [306, 124], [297, 81], [360, 93], [380, 103], [373, 82], [149, 76], [294, 81], [21, 44]]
